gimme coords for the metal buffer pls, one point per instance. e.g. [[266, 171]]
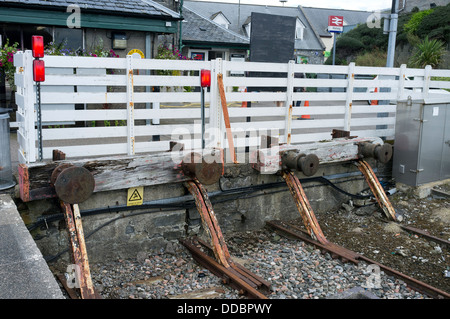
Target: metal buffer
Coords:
[[207, 168], [74, 185], [382, 153], [223, 266]]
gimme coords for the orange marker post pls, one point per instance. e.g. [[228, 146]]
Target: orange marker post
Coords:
[[306, 116]]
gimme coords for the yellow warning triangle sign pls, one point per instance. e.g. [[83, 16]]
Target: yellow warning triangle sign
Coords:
[[135, 196]]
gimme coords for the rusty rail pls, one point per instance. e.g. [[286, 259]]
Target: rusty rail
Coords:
[[345, 254], [306, 212], [229, 275], [79, 253], [376, 189], [223, 266]]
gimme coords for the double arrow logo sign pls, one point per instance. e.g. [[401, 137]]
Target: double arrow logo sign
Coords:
[[335, 24]]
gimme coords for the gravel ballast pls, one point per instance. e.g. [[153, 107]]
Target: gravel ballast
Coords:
[[295, 269]]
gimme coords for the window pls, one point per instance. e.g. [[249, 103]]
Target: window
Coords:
[[220, 19], [72, 38], [248, 28], [299, 30]]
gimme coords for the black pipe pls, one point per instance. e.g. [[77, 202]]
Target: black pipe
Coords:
[[238, 193], [181, 203]]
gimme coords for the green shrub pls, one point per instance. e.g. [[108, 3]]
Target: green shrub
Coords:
[[436, 25], [413, 24], [375, 58], [428, 52]]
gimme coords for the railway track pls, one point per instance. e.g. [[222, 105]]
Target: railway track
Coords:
[[248, 248], [346, 255]]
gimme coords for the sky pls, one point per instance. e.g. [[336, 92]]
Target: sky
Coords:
[[373, 5]]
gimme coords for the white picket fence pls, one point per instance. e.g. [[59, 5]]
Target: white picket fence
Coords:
[[116, 95]]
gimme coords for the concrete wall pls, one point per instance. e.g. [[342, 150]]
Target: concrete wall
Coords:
[[126, 237]]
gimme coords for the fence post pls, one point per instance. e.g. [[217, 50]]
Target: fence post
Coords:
[[349, 99], [130, 107], [289, 102], [401, 81], [216, 123], [426, 81], [26, 106]]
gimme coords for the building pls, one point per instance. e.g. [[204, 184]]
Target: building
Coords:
[[204, 39], [237, 18], [318, 18], [110, 24]]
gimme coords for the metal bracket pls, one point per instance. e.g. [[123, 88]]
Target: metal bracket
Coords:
[[240, 276], [308, 217], [376, 189]]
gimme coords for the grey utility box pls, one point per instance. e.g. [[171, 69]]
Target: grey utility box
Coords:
[[422, 141]]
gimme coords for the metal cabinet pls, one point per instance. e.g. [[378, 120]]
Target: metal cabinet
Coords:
[[422, 141]]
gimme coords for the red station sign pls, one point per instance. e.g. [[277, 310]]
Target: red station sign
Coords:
[[335, 23]]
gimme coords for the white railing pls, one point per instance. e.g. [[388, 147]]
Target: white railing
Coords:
[[106, 106]]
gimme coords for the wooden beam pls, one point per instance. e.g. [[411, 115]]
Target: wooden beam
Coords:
[[268, 161], [110, 173]]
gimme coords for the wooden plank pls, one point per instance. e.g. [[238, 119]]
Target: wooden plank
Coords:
[[374, 96], [332, 123], [114, 131], [157, 64], [267, 161], [83, 80], [335, 83], [256, 111], [84, 115], [166, 80], [110, 173], [254, 66], [319, 110], [374, 133], [373, 121], [226, 117], [440, 73], [19, 59], [318, 68], [374, 109], [368, 70], [83, 98], [440, 84], [84, 62], [87, 150], [258, 82], [83, 133]]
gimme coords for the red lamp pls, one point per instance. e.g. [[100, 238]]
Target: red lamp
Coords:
[[205, 78], [38, 71], [37, 42]]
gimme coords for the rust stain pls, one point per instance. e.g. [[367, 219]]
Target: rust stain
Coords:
[[24, 182]]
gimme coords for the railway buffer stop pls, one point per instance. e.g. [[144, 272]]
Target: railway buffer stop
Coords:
[[88, 191]]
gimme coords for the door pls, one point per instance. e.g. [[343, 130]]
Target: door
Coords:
[[445, 168], [432, 139]]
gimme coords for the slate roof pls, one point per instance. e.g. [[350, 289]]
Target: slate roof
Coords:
[[146, 8], [197, 28], [310, 41], [319, 18]]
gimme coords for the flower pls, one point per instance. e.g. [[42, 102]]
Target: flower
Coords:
[[7, 62]]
